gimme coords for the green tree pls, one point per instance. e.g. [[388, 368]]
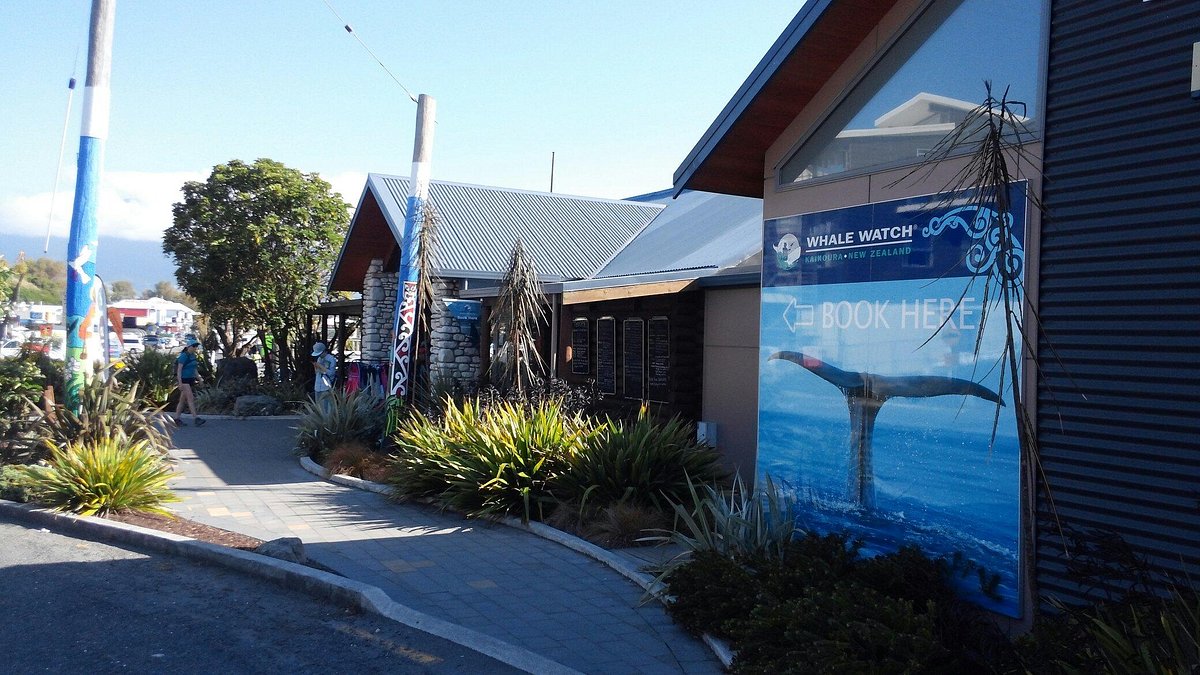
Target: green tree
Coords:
[[43, 281], [121, 290], [254, 244]]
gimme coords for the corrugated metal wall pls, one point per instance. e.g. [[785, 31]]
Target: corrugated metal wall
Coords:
[[1118, 412]]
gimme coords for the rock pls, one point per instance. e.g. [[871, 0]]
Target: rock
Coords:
[[255, 405], [290, 549]]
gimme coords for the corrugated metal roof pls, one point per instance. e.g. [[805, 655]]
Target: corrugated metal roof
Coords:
[[567, 237], [699, 231]]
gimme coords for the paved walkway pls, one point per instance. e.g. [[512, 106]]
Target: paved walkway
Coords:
[[242, 475]]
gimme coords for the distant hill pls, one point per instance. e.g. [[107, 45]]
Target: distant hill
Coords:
[[140, 262]]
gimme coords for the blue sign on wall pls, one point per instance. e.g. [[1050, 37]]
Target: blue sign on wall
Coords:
[[873, 405]]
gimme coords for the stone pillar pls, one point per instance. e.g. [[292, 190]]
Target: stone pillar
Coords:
[[379, 304]]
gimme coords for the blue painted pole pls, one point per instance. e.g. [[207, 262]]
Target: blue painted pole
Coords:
[[81, 247], [404, 322]]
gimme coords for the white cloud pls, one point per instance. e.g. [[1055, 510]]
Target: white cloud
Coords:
[[349, 184], [132, 205]]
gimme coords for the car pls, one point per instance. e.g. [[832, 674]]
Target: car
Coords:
[[151, 342], [10, 348], [131, 341]]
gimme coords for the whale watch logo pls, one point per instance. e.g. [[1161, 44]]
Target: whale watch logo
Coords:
[[788, 251]]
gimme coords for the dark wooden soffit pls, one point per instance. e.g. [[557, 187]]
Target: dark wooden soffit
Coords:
[[369, 237], [729, 158]]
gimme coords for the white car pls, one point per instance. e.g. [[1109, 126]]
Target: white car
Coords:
[[10, 348], [132, 341]]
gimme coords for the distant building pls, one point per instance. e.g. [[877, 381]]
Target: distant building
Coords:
[[32, 313], [169, 316]]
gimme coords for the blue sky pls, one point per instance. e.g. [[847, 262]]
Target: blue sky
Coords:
[[619, 90]]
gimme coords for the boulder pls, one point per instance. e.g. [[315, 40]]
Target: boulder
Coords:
[[290, 549], [256, 405]]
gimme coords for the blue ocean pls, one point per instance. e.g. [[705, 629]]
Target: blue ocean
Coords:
[[943, 490]]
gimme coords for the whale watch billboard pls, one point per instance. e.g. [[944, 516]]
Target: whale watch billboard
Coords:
[[880, 381]]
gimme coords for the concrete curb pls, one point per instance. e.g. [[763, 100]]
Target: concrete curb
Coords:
[[289, 575], [616, 562]]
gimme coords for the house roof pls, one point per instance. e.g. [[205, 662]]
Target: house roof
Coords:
[[699, 235], [729, 157], [567, 237], [697, 230]]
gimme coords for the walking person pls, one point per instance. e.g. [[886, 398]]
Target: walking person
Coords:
[[185, 377], [325, 366]]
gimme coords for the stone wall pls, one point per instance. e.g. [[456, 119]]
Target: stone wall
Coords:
[[454, 351], [379, 304], [454, 354]]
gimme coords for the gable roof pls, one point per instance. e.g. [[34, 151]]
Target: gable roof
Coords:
[[729, 156], [567, 237]]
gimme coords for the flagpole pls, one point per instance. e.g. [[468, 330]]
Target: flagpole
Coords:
[[81, 247], [404, 321]]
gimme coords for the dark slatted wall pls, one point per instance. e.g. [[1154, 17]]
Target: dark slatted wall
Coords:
[[1118, 412]]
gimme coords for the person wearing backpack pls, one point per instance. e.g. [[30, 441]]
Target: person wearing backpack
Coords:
[[325, 366]]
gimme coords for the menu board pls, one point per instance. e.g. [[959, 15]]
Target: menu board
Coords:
[[580, 341], [659, 354], [606, 355], [634, 353]]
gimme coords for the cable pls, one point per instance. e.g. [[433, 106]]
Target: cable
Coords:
[[61, 147], [364, 46]]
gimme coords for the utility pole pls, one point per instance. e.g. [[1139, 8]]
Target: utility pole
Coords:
[[81, 247], [406, 290]]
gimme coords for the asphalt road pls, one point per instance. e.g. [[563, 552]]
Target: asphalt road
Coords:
[[77, 606]]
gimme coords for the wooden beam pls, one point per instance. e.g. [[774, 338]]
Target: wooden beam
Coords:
[[623, 292]]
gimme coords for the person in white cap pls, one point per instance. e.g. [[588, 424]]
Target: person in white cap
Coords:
[[325, 366]]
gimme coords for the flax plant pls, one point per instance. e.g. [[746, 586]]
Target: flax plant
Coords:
[[100, 476], [520, 310]]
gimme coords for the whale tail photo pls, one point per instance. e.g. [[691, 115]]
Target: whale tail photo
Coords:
[[865, 394]]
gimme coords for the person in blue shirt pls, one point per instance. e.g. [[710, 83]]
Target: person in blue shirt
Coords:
[[185, 377]]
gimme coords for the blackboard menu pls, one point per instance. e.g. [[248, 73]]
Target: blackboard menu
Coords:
[[634, 353], [581, 363], [659, 350], [606, 355]]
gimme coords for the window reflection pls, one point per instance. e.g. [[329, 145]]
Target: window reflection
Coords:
[[928, 83]]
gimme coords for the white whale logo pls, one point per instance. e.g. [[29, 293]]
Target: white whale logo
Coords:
[[788, 251]]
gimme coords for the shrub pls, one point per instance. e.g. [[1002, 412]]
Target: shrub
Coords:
[[96, 477], [152, 372], [105, 413], [220, 398], [843, 628], [293, 395], [492, 461], [709, 590], [641, 463], [353, 458], [15, 483], [341, 418], [20, 386]]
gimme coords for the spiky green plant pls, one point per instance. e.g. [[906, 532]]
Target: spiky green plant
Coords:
[[642, 463], [106, 411], [341, 418], [96, 477], [520, 310], [487, 462], [738, 523]]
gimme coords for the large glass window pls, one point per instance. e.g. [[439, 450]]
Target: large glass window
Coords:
[[926, 84]]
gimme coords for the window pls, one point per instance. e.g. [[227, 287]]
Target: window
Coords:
[[925, 85]]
